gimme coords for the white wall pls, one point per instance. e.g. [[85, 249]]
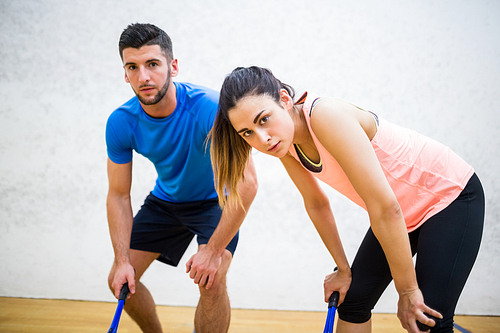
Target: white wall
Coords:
[[433, 66]]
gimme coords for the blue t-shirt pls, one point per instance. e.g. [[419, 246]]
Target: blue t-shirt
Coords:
[[176, 144]]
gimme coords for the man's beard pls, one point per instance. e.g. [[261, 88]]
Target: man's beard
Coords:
[[158, 97]]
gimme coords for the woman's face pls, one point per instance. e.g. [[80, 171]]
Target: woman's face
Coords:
[[264, 124]]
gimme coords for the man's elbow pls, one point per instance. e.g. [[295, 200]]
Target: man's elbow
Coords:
[[115, 197]]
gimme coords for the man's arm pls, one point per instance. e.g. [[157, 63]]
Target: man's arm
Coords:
[[203, 265], [120, 220]]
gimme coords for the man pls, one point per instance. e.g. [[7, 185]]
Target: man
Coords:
[[168, 122]]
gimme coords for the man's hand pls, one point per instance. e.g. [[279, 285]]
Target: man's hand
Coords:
[[124, 273], [203, 266]]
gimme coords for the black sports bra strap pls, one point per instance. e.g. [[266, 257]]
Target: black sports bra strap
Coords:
[[312, 106]]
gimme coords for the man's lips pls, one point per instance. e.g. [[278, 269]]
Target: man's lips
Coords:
[[274, 148], [147, 90]]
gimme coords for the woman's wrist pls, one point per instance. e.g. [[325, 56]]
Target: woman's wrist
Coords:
[[344, 269]]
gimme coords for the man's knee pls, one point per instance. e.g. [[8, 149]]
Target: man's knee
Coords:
[[219, 287], [216, 294], [227, 257]]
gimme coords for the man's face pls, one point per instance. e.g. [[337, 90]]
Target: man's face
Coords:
[[149, 72]]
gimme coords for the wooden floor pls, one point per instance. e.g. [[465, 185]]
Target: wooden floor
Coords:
[[18, 315]]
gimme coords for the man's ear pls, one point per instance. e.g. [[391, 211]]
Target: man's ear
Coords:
[[286, 99], [175, 68]]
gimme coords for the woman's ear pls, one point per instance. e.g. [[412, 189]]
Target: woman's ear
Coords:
[[286, 99]]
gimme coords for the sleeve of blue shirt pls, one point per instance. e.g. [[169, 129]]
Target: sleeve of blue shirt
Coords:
[[118, 130]]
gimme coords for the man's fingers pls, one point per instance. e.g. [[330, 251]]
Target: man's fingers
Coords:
[[210, 281], [197, 276], [118, 288], [203, 280], [131, 286]]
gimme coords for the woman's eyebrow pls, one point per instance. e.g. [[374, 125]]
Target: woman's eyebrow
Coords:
[[254, 121], [257, 117]]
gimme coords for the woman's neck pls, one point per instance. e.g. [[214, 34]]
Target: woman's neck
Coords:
[[301, 135]]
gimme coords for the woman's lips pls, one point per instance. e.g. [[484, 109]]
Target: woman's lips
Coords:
[[274, 148]]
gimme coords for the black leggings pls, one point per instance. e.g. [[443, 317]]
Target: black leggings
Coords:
[[447, 245]]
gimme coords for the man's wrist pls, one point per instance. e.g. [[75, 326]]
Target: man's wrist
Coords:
[[218, 250]]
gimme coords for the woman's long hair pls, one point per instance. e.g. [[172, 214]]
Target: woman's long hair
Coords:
[[229, 151]]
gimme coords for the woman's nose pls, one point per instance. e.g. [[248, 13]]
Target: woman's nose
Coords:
[[264, 138]]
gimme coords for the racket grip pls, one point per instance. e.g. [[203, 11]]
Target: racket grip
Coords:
[[334, 297], [124, 292], [333, 301]]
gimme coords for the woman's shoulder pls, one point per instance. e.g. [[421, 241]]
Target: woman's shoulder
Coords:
[[334, 104], [330, 108]]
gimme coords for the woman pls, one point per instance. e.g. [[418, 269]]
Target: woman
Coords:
[[419, 195]]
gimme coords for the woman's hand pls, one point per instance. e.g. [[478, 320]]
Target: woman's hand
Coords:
[[337, 281], [411, 307]]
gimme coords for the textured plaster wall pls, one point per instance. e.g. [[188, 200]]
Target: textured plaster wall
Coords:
[[433, 66]]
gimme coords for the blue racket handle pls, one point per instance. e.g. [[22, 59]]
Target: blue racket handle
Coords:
[[330, 319], [116, 318], [121, 302]]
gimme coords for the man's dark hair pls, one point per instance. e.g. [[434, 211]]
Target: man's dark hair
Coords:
[[137, 35]]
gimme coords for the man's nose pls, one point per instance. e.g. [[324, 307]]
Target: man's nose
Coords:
[[143, 75]]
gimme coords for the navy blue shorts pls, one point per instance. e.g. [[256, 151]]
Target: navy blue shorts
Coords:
[[168, 228]]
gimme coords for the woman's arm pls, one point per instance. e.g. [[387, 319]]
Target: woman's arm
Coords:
[[345, 132], [318, 208], [204, 264], [337, 126]]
